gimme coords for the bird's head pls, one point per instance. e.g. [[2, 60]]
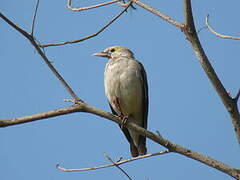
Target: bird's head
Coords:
[[115, 52]]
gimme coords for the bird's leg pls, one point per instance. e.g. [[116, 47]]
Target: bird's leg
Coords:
[[123, 117]]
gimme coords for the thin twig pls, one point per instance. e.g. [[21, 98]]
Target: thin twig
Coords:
[[159, 14], [44, 57], [117, 165], [117, 162], [34, 17], [89, 36], [218, 34], [69, 5]]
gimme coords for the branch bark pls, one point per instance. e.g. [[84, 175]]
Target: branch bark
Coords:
[[159, 14]]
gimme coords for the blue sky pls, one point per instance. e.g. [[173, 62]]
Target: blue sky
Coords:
[[183, 104]]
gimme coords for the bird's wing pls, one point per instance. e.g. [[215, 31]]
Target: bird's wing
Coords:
[[145, 95], [144, 84]]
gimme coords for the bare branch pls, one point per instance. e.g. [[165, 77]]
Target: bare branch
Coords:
[[117, 166], [218, 34], [69, 5], [227, 100], [41, 53], [34, 17], [154, 137], [117, 162], [89, 36], [40, 116], [189, 30], [159, 14]]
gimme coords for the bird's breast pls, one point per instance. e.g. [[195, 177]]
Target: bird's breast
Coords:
[[122, 81]]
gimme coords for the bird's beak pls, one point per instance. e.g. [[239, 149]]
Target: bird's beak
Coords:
[[100, 54]]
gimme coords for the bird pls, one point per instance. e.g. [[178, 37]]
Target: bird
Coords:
[[126, 88]]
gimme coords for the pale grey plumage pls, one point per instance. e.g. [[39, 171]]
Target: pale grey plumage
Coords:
[[127, 92]]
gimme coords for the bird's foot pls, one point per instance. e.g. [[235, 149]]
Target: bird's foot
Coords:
[[124, 121]]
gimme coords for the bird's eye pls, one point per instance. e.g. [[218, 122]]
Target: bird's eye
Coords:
[[112, 50]]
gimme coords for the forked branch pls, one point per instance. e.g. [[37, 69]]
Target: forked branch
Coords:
[[119, 162], [189, 30], [228, 101]]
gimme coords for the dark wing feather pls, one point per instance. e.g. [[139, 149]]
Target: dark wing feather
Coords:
[[145, 92], [142, 139]]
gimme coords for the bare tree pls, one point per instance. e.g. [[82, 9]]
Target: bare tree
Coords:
[[189, 30]]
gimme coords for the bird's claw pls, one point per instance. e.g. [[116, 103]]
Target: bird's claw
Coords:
[[124, 121]]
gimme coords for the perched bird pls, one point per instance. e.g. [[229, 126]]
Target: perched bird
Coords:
[[126, 88]]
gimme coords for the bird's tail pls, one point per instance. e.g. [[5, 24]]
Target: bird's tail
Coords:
[[141, 149]]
